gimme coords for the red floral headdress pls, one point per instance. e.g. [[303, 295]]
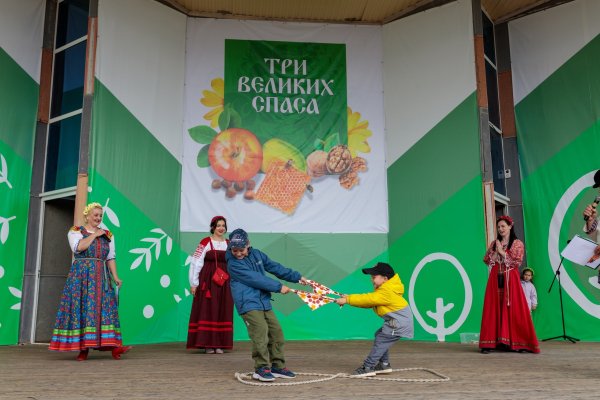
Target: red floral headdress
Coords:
[[506, 219]]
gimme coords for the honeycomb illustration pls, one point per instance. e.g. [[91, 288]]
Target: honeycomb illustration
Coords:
[[283, 187]]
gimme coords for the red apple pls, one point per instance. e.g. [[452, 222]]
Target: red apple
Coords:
[[235, 154]]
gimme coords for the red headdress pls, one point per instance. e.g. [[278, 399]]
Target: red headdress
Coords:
[[506, 219], [216, 218]]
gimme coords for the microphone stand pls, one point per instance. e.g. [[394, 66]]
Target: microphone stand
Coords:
[[564, 336]]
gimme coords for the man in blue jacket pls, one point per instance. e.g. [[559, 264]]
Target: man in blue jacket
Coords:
[[251, 290]]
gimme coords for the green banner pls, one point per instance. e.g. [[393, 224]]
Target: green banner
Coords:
[[294, 92]]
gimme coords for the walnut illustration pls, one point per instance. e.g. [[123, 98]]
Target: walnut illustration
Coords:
[[339, 159], [349, 180], [359, 164], [317, 163]]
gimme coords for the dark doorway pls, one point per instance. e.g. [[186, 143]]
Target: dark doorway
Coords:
[[55, 261]]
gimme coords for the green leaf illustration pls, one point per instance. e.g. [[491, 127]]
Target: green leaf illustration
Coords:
[[202, 134], [235, 121], [202, 159], [319, 144], [224, 119], [229, 118], [331, 141]]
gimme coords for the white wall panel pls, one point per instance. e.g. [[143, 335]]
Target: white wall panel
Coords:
[[428, 69], [540, 43], [21, 32], [141, 60]]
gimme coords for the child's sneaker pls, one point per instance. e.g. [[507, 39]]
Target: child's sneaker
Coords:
[[383, 368], [282, 373], [364, 371], [263, 374]]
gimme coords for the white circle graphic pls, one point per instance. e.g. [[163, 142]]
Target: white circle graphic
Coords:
[[165, 281], [468, 293], [148, 311], [556, 222]]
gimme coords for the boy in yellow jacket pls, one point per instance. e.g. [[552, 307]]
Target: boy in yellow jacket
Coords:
[[388, 303]]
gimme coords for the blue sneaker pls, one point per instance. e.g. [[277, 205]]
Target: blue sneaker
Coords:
[[263, 374], [282, 373]]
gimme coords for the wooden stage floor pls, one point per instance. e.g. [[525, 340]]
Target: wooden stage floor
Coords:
[[167, 371]]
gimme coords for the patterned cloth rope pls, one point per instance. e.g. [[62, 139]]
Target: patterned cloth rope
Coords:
[[246, 378], [316, 298]]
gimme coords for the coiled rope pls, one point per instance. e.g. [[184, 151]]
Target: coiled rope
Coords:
[[246, 378]]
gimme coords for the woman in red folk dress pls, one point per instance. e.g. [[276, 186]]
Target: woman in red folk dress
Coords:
[[506, 321], [211, 318]]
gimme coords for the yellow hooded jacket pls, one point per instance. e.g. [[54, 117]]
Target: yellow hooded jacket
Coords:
[[385, 299]]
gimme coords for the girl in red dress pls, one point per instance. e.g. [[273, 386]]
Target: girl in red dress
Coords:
[[211, 318], [506, 321]]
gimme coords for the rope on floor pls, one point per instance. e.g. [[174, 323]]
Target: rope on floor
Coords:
[[246, 378]]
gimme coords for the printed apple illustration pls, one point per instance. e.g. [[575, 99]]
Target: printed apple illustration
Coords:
[[235, 154]]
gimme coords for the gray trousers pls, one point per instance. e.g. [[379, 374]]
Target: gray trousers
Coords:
[[391, 331], [267, 338], [379, 351]]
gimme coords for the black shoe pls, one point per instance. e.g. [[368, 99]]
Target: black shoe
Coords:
[[364, 371], [383, 368], [485, 351]]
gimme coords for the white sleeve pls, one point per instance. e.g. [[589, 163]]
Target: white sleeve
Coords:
[[533, 295], [111, 249], [74, 238], [197, 264]]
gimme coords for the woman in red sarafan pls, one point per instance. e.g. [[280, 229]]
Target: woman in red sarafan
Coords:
[[506, 321], [211, 318]]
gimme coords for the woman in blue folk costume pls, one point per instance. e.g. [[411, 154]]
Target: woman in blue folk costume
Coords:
[[87, 316]]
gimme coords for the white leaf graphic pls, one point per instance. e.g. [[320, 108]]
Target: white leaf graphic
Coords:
[[4, 172], [4, 230], [188, 260], [137, 262], [157, 254], [177, 298], [187, 292], [156, 244], [169, 245], [17, 293], [138, 251], [112, 217]]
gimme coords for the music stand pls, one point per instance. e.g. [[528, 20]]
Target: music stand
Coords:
[[564, 336]]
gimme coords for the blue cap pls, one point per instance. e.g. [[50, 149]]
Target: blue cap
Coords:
[[238, 239]]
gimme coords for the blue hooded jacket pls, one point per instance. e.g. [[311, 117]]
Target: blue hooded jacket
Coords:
[[250, 287]]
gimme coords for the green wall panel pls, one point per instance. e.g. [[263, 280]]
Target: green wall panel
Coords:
[[18, 109], [559, 109], [558, 125], [134, 161], [434, 169]]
